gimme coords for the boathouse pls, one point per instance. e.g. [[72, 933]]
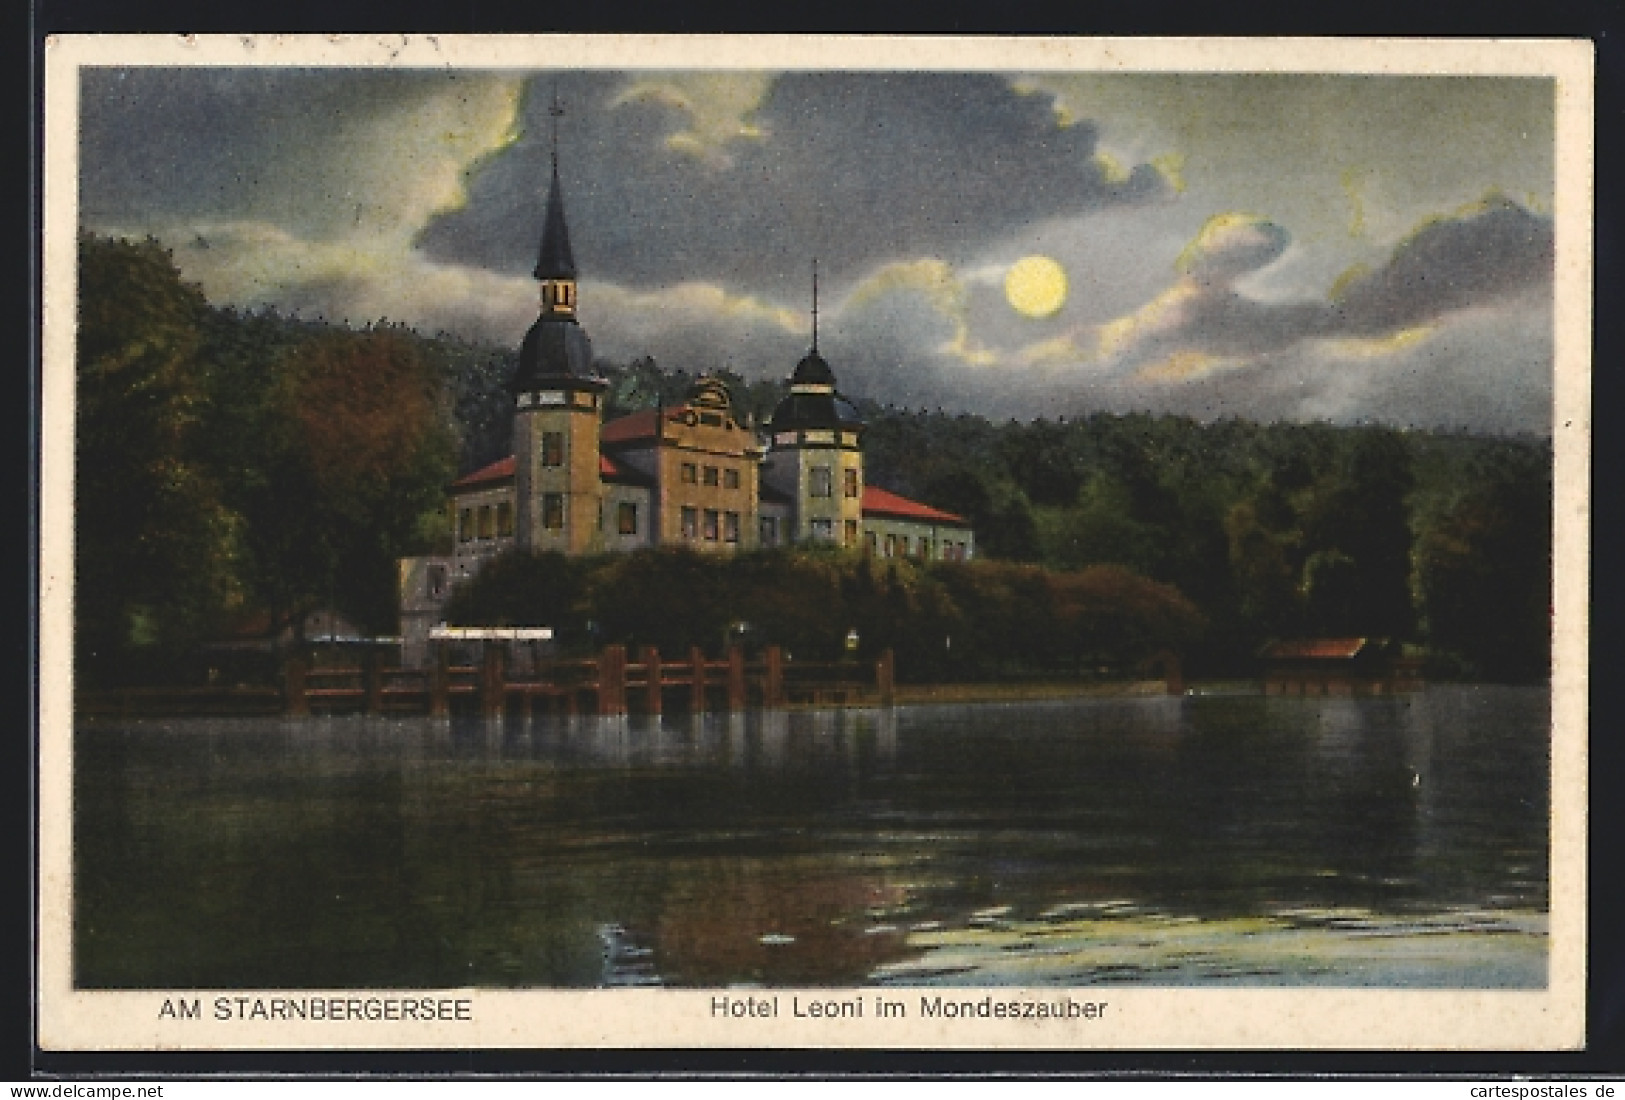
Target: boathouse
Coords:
[[1339, 666]]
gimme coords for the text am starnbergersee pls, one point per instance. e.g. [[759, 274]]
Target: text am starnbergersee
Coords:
[[932, 1007]]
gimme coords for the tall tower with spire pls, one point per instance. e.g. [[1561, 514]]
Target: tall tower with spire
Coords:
[[556, 401], [816, 454]]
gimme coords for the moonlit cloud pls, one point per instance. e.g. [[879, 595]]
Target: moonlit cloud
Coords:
[[720, 109], [1273, 246]]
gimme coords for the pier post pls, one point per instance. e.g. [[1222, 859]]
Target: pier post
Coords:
[[651, 672], [612, 680], [736, 678], [885, 678], [373, 679], [696, 662], [294, 700], [773, 676], [491, 681], [1173, 673], [440, 681]]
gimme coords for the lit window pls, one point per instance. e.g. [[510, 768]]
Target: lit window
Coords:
[[730, 479], [553, 511], [819, 481], [851, 482], [823, 530], [711, 524], [770, 530], [626, 519], [691, 523], [552, 448], [690, 473], [465, 524], [730, 527], [504, 520], [851, 538], [710, 475], [486, 530]]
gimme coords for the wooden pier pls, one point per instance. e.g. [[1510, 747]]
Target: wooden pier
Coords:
[[611, 684]]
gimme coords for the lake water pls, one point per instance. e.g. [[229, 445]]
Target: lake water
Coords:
[[1165, 841]]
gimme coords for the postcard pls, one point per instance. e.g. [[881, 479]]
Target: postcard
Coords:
[[705, 542]]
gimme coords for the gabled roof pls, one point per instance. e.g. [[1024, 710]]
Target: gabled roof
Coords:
[[1337, 649], [499, 471], [879, 502]]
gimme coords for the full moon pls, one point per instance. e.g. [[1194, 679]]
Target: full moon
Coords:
[[1036, 286]]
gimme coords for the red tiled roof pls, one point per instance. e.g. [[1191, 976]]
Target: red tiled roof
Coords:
[[503, 470], [1317, 648], [880, 502], [635, 426], [500, 470]]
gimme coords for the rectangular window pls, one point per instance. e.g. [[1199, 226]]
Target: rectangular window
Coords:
[[730, 479], [823, 530], [851, 537], [905, 546], [486, 529], [691, 523], [465, 524], [819, 481], [874, 542], [851, 483], [711, 524], [710, 475], [891, 546], [553, 511], [925, 549], [504, 520], [690, 473], [770, 530], [437, 581], [711, 420], [552, 448], [626, 519], [730, 527]]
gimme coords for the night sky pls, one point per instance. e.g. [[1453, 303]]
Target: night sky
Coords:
[[1291, 247]]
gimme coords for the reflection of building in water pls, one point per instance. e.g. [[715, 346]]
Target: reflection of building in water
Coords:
[[694, 475]]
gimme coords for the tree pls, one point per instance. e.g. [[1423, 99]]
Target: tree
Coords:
[[353, 448], [156, 550]]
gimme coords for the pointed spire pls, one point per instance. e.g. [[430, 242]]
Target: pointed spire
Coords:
[[555, 261]]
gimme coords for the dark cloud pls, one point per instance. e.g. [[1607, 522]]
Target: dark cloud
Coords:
[[1474, 259], [1448, 264], [856, 169], [269, 144]]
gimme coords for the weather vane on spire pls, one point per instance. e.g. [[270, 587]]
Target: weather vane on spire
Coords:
[[557, 112], [815, 304]]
